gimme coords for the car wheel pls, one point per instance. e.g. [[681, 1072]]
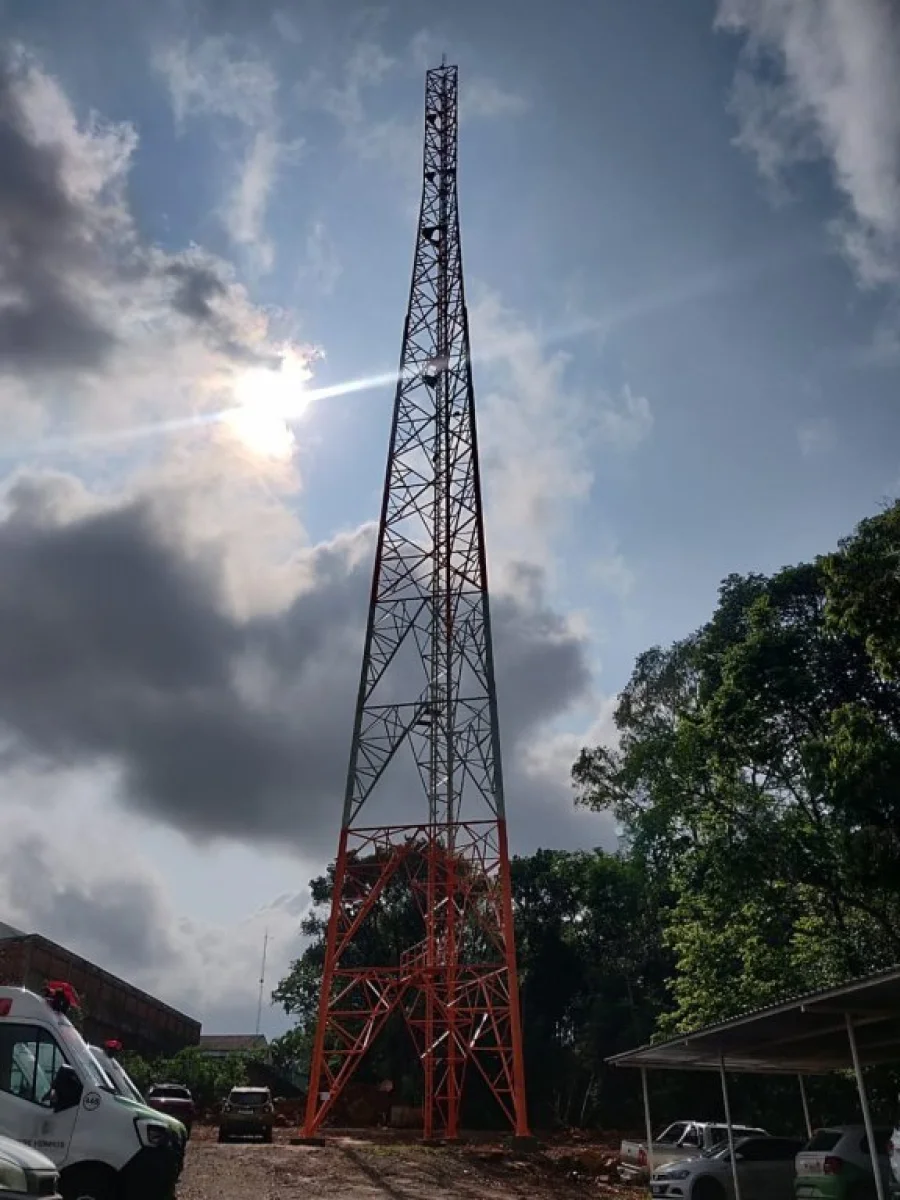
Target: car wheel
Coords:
[[862, 1191], [88, 1183], [707, 1189], [267, 1136], [222, 1137]]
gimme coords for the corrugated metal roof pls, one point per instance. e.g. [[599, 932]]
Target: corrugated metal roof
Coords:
[[806, 1034]]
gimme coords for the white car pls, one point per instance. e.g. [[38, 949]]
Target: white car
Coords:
[[26, 1173], [765, 1167], [836, 1164]]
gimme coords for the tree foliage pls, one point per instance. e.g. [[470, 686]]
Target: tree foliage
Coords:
[[209, 1079], [757, 769]]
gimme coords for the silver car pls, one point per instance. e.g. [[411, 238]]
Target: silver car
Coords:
[[765, 1169], [26, 1173]]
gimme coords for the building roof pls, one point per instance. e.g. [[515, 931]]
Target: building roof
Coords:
[[232, 1043], [38, 939], [806, 1035]]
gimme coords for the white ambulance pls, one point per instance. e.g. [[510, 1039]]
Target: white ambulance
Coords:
[[55, 1097], [118, 1076]]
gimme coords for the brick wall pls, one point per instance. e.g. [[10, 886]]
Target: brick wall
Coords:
[[111, 1008], [12, 963]]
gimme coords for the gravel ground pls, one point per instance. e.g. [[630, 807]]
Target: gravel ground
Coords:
[[366, 1168]]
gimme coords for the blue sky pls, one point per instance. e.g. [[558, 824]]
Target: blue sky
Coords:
[[682, 245]]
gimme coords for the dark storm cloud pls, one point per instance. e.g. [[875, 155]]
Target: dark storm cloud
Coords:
[[44, 321], [200, 294], [114, 649], [115, 920], [197, 286], [59, 250]]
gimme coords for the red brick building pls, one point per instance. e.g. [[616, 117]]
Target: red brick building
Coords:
[[111, 1008]]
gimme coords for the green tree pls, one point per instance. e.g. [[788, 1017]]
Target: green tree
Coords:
[[209, 1079], [757, 778]]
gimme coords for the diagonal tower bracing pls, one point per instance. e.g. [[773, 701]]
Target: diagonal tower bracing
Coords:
[[426, 723]]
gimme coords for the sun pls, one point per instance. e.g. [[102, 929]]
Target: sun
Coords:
[[268, 400]]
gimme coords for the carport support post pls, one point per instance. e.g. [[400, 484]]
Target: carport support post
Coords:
[[647, 1125], [727, 1106], [864, 1105], [805, 1102]]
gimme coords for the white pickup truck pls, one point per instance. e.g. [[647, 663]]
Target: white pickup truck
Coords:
[[682, 1139]]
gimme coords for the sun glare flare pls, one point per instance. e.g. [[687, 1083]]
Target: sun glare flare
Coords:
[[268, 400]]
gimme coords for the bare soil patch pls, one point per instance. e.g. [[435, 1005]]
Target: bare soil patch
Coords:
[[380, 1164]]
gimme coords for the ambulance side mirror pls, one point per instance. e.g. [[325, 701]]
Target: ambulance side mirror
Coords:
[[67, 1089]]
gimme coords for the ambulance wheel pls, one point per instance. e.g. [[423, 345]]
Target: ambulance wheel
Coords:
[[88, 1183]]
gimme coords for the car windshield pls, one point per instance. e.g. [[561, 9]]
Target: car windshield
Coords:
[[170, 1093], [117, 1073], [249, 1099], [823, 1140], [720, 1148]]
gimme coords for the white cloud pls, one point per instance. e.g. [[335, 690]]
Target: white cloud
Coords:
[[214, 78], [625, 420], [613, 574], [395, 142], [321, 263], [487, 100], [549, 758], [245, 210], [539, 435], [108, 903], [837, 97], [217, 78], [816, 436]]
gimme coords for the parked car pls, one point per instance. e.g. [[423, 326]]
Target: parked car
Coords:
[[765, 1167], [835, 1164], [248, 1112], [682, 1139], [26, 1173], [173, 1099]]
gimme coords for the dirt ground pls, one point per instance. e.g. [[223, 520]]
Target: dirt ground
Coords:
[[372, 1166]]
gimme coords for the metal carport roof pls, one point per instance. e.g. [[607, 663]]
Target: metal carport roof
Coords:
[[805, 1036]]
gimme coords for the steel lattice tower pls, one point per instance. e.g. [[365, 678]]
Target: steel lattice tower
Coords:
[[427, 687]]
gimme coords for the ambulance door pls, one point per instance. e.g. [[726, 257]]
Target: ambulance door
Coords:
[[30, 1056]]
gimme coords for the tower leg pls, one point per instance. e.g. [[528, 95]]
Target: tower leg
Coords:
[[520, 1106], [314, 1112]]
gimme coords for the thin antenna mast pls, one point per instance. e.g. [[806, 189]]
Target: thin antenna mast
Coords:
[[262, 983]]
